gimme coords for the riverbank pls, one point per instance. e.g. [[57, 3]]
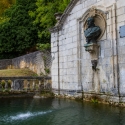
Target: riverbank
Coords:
[[26, 94], [16, 94], [95, 98]]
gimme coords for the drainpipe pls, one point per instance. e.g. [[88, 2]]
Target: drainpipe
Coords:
[[114, 44], [58, 62], [117, 64], [58, 16], [116, 48]]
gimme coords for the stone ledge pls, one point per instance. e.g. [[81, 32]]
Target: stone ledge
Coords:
[[24, 77], [26, 95], [93, 97]]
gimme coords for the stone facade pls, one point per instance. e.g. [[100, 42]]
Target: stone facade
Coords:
[[33, 61], [72, 69]]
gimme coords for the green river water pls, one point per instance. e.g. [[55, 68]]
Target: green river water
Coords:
[[28, 111]]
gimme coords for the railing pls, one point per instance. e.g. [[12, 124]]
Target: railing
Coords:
[[25, 83]]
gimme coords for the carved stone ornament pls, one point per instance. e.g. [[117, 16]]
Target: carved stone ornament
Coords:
[[94, 28], [92, 12], [94, 64], [91, 47], [58, 16], [92, 32], [99, 19]]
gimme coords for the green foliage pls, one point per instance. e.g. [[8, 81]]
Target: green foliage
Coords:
[[44, 16], [17, 33], [47, 70], [25, 24], [5, 4], [3, 83], [43, 47], [94, 100], [9, 83]]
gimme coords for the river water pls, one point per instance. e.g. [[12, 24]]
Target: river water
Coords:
[[28, 111]]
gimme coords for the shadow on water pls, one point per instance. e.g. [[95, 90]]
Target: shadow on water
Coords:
[[58, 112]]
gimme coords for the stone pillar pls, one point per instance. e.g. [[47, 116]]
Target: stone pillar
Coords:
[[39, 88], [44, 83], [22, 88], [0, 87], [93, 49], [34, 85], [12, 85], [47, 87], [28, 85], [6, 85]]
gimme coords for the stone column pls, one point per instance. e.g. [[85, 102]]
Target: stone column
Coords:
[[34, 85], [22, 88], [28, 85], [44, 83], [0, 87], [39, 86], [12, 85], [6, 85]]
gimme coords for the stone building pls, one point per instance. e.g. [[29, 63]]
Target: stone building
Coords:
[[72, 68]]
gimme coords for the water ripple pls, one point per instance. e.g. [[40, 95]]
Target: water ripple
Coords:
[[21, 116], [27, 115]]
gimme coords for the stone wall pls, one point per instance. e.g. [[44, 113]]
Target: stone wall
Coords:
[[72, 68], [33, 61], [5, 63]]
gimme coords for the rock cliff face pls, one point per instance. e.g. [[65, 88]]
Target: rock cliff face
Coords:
[[72, 71]]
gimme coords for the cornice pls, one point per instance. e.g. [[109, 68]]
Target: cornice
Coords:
[[59, 25]]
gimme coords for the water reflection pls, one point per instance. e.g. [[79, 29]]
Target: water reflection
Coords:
[[58, 112]]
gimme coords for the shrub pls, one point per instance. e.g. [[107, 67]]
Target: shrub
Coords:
[[9, 83], [3, 83]]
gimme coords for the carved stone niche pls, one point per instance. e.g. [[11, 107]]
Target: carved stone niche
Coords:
[[99, 19], [91, 48], [94, 28]]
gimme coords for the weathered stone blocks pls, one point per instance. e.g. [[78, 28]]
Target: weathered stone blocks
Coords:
[[75, 63]]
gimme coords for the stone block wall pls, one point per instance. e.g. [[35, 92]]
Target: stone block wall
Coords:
[[5, 63], [30, 61], [72, 68], [120, 13], [33, 61]]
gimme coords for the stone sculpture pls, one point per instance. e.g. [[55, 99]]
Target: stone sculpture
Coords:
[[92, 32]]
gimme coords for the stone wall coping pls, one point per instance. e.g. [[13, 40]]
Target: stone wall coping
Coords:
[[64, 16], [26, 55], [26, 77]]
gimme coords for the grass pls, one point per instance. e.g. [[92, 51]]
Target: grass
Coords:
[[16, 72]]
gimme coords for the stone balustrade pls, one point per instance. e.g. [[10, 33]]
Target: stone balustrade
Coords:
[[25, 83]]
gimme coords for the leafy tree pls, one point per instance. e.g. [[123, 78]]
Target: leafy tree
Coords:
[[26, 23], [18, 34], [44, 16], [5, 4]]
